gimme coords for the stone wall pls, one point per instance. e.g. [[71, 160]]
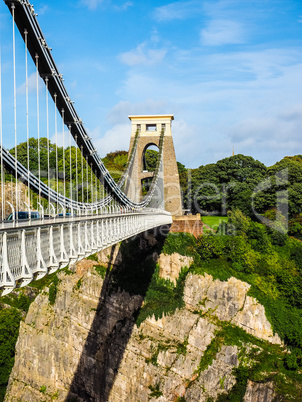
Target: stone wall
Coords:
[[188, 224]]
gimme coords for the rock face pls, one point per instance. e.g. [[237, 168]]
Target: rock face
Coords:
[[171, 265], [86, 347], [228, 301], [259, 392]]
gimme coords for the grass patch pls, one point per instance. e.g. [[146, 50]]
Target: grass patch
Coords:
[[214, 221]]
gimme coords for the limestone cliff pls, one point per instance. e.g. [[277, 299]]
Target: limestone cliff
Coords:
[[87, 347]]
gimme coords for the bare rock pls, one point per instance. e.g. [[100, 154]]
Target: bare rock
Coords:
[[259, 392], [228, 301], [171, 265]]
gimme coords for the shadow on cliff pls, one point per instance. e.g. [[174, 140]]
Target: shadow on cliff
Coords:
[[125, 285]]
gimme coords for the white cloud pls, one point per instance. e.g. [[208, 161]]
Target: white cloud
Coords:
[[142, 55], [43, 9], [32, 84], [124, 6], [91, 4], [115, 139], [222, 32], [120, 112], [254, 101], [179, 10]]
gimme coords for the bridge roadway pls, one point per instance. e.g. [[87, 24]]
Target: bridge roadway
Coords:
[[32, 249]]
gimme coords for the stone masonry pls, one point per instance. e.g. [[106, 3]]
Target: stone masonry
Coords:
[[150, 128]]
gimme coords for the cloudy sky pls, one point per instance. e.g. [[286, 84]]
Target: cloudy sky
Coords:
[[230, 71]]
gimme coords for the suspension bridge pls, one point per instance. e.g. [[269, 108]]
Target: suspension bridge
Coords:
[[75, 208]]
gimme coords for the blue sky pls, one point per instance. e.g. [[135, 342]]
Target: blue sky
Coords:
[[230, 71]]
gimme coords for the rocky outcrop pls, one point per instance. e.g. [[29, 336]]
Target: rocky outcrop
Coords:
[[258, 392], [86, 347], [170, 265], [228, 301]]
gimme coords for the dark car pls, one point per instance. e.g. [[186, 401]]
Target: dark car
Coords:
[[24, 215], [67, 215]]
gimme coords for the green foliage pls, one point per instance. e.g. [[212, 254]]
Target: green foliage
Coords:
[[18, 300], [44, 282], [101, 270], [53, 290], [93, 257], [116, 162], [227, 184], [182, 347], [155, 391], [210, 246], [67, 271], [181, 243], [150, 161], [9, 331], [162, 296], [43, 389], [78, 284], [269, 261]]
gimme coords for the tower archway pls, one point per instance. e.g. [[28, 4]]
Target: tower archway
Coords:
[[149, 129]]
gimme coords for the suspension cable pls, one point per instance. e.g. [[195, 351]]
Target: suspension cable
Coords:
[[1, 139], [56, 137], [38, 126], [27, 114], [76, 162], [15, 108], [47, 134], [63, 133], [82, 168], [91, 185], [87, 181], [70, 166], [96, 186]]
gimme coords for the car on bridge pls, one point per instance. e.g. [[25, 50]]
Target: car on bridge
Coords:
[[21, 215], [66, 215]]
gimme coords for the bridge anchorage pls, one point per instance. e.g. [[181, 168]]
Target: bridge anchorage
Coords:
[[70, 206]]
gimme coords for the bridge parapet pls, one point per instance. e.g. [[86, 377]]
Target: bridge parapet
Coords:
[[31, 252]]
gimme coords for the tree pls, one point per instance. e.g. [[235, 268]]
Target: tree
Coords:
[[227, 184]]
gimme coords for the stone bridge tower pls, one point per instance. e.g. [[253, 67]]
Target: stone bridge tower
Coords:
[[149, 129]]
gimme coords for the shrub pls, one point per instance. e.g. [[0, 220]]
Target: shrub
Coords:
[[9, 332], [53, 289], [211, 246], [181, 243]]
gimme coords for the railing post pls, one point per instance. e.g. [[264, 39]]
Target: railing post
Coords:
[[53, 261], [72, 253], [7, 278], [41, 266], [63, 255], [81, 250], [26, 273]]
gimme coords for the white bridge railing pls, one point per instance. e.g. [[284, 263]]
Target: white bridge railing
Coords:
[[31, 252]]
